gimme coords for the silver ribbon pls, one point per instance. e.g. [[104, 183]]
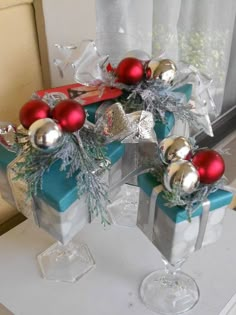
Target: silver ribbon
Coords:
[[152, 210], [7, 135], [19, 190], [203, 223], [152, 214]]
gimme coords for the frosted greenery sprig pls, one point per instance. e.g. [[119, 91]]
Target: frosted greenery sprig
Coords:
[[157, 98], [189, 202], [81, 153], [193, 201]]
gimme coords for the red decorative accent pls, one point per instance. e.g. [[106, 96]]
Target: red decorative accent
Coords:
[[130, 71], [70, 115], [189, 156], [88, 94], [32, 111], [209, 164], [148, 73], [109, 68]]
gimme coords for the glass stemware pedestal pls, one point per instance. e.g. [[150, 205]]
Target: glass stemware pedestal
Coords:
[[66, 263], [124, 209], [169, 291]]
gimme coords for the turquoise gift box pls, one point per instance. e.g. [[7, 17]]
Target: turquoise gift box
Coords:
[[56, 207], [169, 228]]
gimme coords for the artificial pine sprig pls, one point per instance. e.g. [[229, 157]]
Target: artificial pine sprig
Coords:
[[158, 97], [80, 151], [90, 184], [191, 202]]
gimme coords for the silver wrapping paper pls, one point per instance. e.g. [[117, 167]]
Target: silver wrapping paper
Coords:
[[62, 226], [177, 240], [135, 158]]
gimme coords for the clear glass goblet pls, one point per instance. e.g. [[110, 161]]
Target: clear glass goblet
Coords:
[[67, 263], [124, 209], [169, 291]]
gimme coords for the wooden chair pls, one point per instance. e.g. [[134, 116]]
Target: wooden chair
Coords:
[[23, 69]]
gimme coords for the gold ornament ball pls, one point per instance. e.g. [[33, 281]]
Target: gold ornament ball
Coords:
[[181, 176], [165, 71], [151, 67], [174, 148]]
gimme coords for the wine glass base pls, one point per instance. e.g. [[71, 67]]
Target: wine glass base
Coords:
[[167, 294], [67, 263]]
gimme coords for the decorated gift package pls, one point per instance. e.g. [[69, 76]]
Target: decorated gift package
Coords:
[[156, 94], [169, 228], [182, 201], [56, 208], [128, 108], [56, 169], [153, 84]]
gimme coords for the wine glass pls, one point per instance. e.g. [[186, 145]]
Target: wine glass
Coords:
[[169, 290], [124, 208], [68, 259], [66, 263]]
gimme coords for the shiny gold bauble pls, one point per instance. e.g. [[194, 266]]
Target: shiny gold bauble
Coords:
[[174, 148], [151, 67], [181, 176], [164, 70]]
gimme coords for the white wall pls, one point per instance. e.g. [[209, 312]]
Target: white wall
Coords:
[[67, 22]]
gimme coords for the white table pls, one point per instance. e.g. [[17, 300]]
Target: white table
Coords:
[[123, 258]]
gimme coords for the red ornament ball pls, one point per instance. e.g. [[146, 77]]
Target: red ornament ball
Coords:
[[209, 164], [70, 115], [130, 71], [33, 110], [148, 73]]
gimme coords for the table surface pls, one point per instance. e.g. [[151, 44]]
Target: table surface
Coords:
[[124, 256]]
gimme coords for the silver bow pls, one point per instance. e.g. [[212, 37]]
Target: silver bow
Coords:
[[8, 136], [115, 124], [88, 65], [201, 100]]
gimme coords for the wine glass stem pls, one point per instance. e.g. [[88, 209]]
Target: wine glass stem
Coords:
[[172, 269]]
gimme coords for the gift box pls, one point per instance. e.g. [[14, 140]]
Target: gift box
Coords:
[[169, 228], [56, 208]]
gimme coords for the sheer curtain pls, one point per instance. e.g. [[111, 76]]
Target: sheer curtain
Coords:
[[199, 32]]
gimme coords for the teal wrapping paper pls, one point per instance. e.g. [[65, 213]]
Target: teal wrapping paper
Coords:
[[58, 190]]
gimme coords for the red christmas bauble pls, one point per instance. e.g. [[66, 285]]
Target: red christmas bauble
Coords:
[[130, 71], [32, 111], [70, 115], [209, 164], [148, 73]]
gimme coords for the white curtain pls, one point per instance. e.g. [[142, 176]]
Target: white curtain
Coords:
[[199, 32]]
